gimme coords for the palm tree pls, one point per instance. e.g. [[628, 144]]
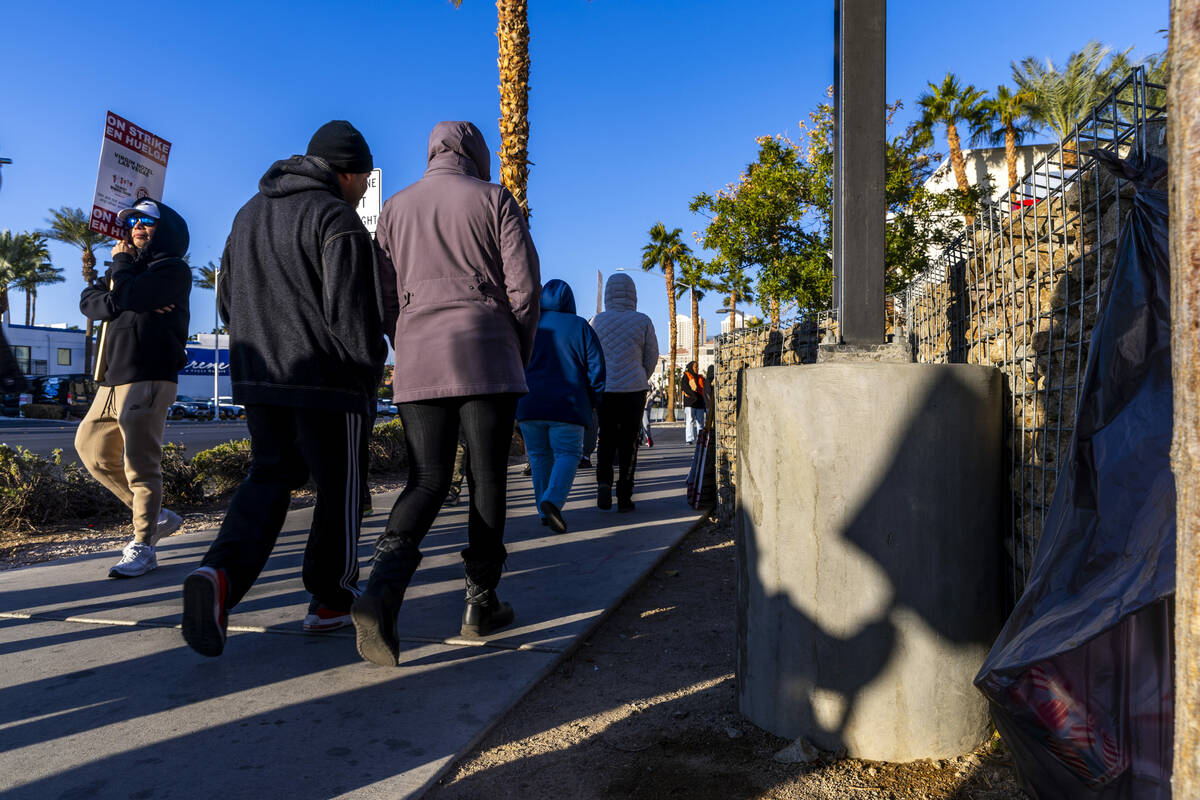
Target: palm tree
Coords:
[[70, 226], [207, 276], [1060, 98], [35, 270], [664, 251], [14, 255], [1009, 112], [693, 275], [949, 104], [734, 283], [512, 31]]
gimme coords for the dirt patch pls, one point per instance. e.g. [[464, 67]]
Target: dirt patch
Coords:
[[646, 708]]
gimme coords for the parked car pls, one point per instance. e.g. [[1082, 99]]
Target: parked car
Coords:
[[191, 408], [229, 409], [75, 391], [386, 408]]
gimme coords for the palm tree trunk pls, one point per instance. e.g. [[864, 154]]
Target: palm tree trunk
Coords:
[[28, 307], [669, 272], [89, 275], [958, 163], [695, 326], [1010, 154], [512, 31], [773, 307], [1183, 144], [33, 308]]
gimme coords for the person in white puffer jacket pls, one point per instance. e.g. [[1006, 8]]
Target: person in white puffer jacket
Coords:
[[630, 356]]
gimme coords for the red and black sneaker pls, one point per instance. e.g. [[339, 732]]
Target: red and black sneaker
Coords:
[[205, 617], [321, 619]]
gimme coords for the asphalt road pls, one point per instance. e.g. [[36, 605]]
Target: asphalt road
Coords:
[[43, 436]]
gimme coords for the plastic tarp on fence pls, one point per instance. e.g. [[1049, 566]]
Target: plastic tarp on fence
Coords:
[[1080, 679]]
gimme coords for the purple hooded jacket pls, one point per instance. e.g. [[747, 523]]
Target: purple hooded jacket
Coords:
[[467, 277]]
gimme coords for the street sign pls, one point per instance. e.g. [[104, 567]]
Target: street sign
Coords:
[[133, 165], [372, 201]]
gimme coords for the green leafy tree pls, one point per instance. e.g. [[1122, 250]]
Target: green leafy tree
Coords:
[[664, 250], [35, 270], [70, 226], [1005, 118]]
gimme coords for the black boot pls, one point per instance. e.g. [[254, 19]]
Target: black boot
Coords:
[[624, 495], [374, 613], [604, 496], [484, 613]]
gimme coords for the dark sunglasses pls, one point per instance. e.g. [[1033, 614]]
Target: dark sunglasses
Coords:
[[132, 222]]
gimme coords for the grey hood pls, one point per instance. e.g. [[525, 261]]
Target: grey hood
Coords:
[[620, 293], [459, 147]]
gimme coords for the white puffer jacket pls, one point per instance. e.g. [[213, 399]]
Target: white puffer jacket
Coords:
[[627, 338]]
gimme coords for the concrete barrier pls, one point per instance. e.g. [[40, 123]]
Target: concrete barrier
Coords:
[[869, 554]]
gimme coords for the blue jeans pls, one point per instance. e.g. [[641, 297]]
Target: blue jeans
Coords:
[[693, 423], [554, 449]]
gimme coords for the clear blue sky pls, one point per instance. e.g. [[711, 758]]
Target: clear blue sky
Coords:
[[636, 105]]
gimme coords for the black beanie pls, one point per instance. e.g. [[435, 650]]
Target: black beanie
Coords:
[[342, 146]]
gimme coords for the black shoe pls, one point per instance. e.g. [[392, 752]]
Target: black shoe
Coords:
[[554, 517], [374, 616], [585, 463], [374, 613], [545, 522], [484, 613], [205, 615], [528, 469], [604, 496], [624, 504]]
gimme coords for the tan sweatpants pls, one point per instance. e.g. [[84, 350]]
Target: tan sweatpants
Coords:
[[120, 443]]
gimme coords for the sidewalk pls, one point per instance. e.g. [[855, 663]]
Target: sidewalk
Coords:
[[100, 697]]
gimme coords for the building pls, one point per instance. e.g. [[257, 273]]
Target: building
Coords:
[[986, 166], [54, 349], [205, 352], [683, 328], [735, 320]]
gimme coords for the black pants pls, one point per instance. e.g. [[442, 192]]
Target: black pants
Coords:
[[431, 431], [620, 422], [287, 445]]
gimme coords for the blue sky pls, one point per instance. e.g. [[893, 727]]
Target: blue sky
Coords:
[[635, 106]]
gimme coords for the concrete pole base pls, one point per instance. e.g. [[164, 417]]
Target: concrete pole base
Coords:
[[869, 554]]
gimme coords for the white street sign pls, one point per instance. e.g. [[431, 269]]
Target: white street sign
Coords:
[[372, 201]]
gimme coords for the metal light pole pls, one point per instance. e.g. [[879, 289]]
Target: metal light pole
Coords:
[[4, 161], [216, 345]]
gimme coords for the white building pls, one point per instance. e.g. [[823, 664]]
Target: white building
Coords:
[[196, 378], [987, 166], [53, 349], [731, 321], [683, 328]]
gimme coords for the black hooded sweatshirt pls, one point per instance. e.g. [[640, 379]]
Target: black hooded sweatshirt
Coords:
[[140, 344], [300, 292]]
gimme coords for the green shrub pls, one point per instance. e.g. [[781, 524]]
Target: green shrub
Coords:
[[220, 469], [43, 411], [182, 483], [35, 490], [386, 449]]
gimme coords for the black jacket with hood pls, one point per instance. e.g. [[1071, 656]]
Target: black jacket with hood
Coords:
[[141, 344], [299, 289]]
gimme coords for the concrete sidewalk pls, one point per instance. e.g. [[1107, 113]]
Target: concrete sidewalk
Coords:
[[100, 697]]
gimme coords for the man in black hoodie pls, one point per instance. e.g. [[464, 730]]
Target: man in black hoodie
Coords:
[[300, 293], [143, 301]]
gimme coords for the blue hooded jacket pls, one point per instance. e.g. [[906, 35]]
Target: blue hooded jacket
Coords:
[[566, 373]]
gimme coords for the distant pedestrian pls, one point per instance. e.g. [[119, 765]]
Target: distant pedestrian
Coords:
[[647, 432], [566, 381], [144, 301], [694, 408], [300, 292], [468, 285], [630, 356]]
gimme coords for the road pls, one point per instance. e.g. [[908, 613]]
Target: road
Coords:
[[43, 436]]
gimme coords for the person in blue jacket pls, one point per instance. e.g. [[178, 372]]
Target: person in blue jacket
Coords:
[[566, 380]]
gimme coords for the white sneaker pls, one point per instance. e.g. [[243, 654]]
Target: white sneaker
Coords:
[[168, 523], [136, 559]]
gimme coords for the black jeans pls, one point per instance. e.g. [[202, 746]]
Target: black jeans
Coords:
[[620, 422], [431, 431], [286, 446]]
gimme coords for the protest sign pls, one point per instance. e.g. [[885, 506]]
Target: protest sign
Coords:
[[372, 201], [133, 165]]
